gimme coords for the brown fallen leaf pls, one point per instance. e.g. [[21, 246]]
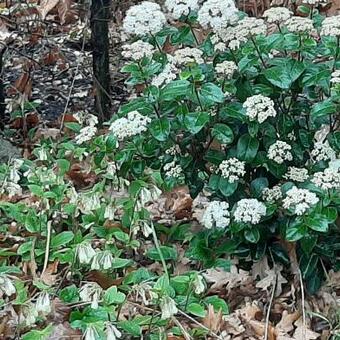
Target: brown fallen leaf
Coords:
[[46, 7], [273, 278], [213, 320]]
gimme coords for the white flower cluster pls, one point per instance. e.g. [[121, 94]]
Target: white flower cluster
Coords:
[[91, 292], [322, 152], [217, 14], [168, 74], [272, 195], [85, 134], [327, 179], [296, 174], [335, 77], [177, 8], [216, 215], [85, 252], [226, 68], [232, 169], [111, 332], [297, 24], [249, 211], [129, 126], [250, 26], [315, 2], [277, 15], [173, 170], [279, 152], [187, 55], [259, 108], [89, 131], [88, 202], [138, 50], [300, 200], [168, 307], [145, 18], [331, 26]]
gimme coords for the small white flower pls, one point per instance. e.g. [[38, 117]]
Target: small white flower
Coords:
[[42, 154], [299, 25], [328, 179], [187, 55], [335, 77], [102, 260], [89, 202], [300, 200], [145, 18], [226, 68], [178, 8], [250, 26], [86, 134], [198, 284], [249, 211], [168, 74], [110, 212], [315, 2], [132, 125], [277, 14], [217, 14], [6, 285], [168, 307], [91, 292], [138, 50], [322, 152], [91, 333], [296, 174], [112, 333], [279, 152], [259, 108], [43, 303], [216, 215], [331, 26], [173, 170], [85, 252], [272, 195], [232, 169]]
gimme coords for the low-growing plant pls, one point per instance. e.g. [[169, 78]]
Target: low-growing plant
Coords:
[[243, 111]]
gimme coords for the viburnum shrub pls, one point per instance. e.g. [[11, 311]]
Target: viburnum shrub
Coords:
[[245, 110]]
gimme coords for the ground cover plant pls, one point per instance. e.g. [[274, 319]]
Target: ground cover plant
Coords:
[[219, 175]]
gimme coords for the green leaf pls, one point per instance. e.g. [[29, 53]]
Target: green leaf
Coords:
[[62, 239], [211, 93], [227, 188], [69, 294], [223, 133], [174, 89], [218, 304], [284, 75], [257, 186], [247, 148], [195, 121], [252, 235], [318, 223], [63, 166], [196, 309], [160, 129], [295, 231], [113, 297], [120, 263], [131, 327], [168, 253], [36, 190], [324, 108]]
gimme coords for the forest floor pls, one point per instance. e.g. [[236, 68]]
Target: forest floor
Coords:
[[47, 75]]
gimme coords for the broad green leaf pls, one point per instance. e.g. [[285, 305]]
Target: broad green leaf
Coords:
[[252, 235], [284, 75], [211, 93], [62, 239], [247, 148], [113, 296], [175, 89], [223, 133], [227, 188], [168, 253], [195, 121], [317, 223], [295, 231], [324, 108], [196, 309], [218, 304], [160, 129], [120, 263]]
